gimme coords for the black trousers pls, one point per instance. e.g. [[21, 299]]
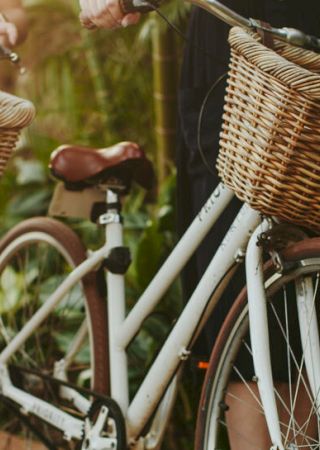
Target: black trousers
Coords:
[[205, 60]]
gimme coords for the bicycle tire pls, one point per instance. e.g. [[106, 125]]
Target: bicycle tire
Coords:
[[48, 248], [213, 428]]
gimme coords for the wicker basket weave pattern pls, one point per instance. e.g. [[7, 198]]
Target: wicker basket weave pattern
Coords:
[[270, 139], [15, 114]]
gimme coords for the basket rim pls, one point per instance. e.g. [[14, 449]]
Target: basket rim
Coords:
[[305, 82], [15, 112]]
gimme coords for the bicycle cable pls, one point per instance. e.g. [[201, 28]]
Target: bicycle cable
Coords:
[[202, 109], [178, 31], [211, 89]]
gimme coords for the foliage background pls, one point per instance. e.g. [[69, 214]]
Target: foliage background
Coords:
[[95, 88]]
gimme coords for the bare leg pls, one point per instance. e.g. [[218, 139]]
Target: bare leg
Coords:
[[247, 429], [304, 429]]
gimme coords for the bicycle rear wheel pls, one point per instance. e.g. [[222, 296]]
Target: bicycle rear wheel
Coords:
[[35, 257], [230, 414]]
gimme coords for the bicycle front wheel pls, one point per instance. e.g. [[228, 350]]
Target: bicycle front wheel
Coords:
[[231, 415], [70, 344]]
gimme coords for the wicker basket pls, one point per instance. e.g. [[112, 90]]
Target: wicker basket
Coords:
[[15, 114], [270, 139]]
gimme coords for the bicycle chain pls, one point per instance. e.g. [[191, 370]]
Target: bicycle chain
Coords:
[[114, 410]]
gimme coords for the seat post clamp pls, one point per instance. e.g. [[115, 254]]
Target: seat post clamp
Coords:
[[109, 217]]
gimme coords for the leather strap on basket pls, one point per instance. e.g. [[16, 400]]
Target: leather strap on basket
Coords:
[[266, 38]]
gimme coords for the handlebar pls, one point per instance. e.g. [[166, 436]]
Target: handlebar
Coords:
[[223, 13], [227, 15]]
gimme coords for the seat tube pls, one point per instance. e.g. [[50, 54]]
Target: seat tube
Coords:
[[116, 305]]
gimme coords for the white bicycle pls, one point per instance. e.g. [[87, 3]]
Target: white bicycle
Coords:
[[57, 330]]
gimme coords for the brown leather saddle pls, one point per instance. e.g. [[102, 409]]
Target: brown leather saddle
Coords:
[[116, 166]]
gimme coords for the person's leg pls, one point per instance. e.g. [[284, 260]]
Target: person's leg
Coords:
[[246, 424], [304, 429]]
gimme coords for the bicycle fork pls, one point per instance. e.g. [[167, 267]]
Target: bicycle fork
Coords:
[[259, 335]]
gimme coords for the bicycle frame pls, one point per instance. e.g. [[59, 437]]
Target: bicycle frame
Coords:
[[240, 239], [123, 329], [175, 348]]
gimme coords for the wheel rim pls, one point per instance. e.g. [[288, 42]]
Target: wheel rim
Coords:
[[298, 430], [30, 269]]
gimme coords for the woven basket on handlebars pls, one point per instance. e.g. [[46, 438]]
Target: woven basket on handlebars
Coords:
[[270, 139], [15, 114]]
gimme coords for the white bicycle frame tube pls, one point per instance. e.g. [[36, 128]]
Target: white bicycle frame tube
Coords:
[[74, 277], [72, 426], [116, 316], [259, 335], [309, 332], [175, 348], [122, 330], [187, 245]]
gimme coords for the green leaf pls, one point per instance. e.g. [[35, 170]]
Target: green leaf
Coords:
[[28, 203], [29, 171], [12, 293], [149, 254]]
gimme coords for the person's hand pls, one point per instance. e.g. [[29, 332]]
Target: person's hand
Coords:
[[105, 14], [8, 32]]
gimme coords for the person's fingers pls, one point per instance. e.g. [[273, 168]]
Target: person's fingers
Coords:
[[106, 17], [130, 19], [89, 10], [97, 13], [85, 22], [83, 4], [105, 14], [106, 20], [9, 30], [115, 9], [85, 9], [97, 7], [84, 14], [12, 33]]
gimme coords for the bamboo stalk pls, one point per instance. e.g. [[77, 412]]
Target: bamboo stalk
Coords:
[[165, 95], [97, 77]]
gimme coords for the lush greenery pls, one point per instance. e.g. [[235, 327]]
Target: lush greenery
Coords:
[[94, 88], [87, 88]]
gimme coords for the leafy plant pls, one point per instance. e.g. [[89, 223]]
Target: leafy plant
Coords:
[[95, 89]]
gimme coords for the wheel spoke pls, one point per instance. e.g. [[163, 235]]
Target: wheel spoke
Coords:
[[292, 360]]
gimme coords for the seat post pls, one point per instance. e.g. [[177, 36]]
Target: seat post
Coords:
[[116, 302], [111, 219]]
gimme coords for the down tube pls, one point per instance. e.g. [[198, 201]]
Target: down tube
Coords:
[[175, 348], [199, 228]]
